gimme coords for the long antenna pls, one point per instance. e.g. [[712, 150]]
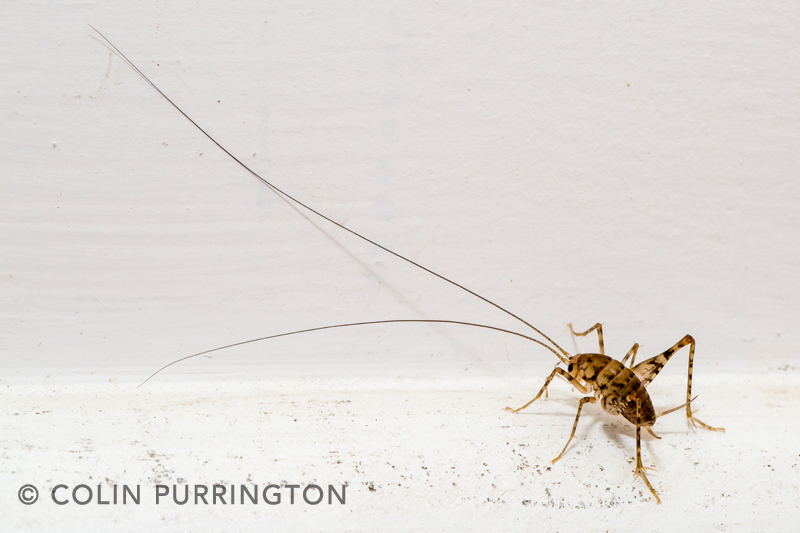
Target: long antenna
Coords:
[[312, 210], [372, 322]]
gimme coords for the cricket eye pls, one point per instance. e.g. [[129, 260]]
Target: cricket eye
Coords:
[[571, 367]]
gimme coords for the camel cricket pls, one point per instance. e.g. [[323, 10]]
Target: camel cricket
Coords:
[[620, 389]]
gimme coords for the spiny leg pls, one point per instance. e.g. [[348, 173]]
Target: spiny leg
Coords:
[[589, 399], [599, 328], [668, 411], [632, 354], [640, 470], [557, 370], [647, 371], [695, 421]]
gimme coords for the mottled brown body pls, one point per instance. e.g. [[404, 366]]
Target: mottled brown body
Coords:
[[620, 390]]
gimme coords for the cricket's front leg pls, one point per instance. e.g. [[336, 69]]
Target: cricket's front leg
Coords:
[[599, 328], [557, 370], [590, 399]]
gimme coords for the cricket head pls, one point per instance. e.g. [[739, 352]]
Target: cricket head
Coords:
[[574, 366], [586, 367]]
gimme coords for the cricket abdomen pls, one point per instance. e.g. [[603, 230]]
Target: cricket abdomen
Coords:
[[620, 390]]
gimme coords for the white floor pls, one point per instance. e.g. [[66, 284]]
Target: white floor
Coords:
[[432, 455]]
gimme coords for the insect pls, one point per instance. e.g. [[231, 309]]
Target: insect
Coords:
[[620, 389]]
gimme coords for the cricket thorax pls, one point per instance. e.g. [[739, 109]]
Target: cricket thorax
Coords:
[[619, 388]]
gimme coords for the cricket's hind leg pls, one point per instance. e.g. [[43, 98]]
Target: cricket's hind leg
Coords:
[[689, 415], [647, 371]]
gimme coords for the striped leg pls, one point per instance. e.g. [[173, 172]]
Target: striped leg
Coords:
[[640, 470], [695, 421], [647, 371], [557, 370], [599, 328], [590, 399], [632, 354]]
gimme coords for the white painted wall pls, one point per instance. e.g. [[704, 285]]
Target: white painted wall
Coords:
[[628, 164]]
